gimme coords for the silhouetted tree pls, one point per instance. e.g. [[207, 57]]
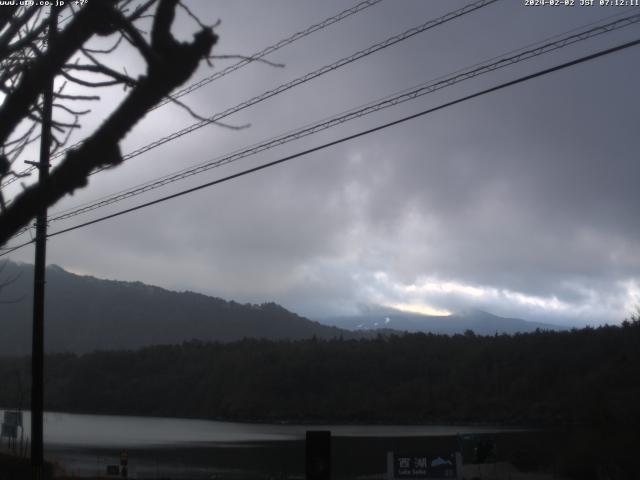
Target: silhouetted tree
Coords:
[[28, 63], [579, 377]]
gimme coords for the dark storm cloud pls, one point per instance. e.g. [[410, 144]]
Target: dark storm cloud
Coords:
[[520, 202]]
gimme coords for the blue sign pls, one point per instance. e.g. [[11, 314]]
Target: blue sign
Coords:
[[414, 466]]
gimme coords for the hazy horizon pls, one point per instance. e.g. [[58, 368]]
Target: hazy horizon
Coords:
[[360, 310], [521, 202]]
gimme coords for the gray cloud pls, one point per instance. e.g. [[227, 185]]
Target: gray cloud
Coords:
[[526, 195]]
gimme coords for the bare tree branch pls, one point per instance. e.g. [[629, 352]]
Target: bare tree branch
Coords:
[[71, 111], [140, 11], [201, 118], [76, 97], [88, 83], [15, 25], [33, 81], [110, 49], [99, 68], [170, 63]]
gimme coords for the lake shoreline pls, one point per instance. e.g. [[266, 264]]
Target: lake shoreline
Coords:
[[314, 422], [84, 445]]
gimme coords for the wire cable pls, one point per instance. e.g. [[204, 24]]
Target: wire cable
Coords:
[[232, 68], [268, 50], [501, 86], [300, 80], [314, 74], [387, 102], [539, 43], [236, 66]]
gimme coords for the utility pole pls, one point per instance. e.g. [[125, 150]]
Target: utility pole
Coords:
[[37, 345]]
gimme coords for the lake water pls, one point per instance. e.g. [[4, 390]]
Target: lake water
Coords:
[[187, 448], [67, 429]]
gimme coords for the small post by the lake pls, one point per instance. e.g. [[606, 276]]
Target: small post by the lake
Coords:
[[318, 455]]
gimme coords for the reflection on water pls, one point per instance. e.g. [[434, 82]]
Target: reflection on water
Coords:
[[122, 431], [83, 445]]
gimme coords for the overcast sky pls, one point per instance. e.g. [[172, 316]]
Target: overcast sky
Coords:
[[522, 202]]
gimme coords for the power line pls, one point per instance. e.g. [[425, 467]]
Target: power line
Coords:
[[501, 86], [387, 102], [303, 79], [17, 247], [539, 44], [236, 66], [406, 95], [268, 50], [521, 54], [314, 74]]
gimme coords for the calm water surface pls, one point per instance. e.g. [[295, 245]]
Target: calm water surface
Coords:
[[83, 445], [128, 431]]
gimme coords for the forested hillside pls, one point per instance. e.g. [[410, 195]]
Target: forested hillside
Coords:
[[589, 376], [84, 313]]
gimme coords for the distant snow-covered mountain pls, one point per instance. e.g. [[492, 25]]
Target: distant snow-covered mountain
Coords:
[[479, 321]]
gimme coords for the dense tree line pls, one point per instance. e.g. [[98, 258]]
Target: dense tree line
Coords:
[[587, 376], [86, 314]]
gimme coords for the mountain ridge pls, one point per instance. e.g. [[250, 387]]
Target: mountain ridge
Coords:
[[85, 313], [374, 319]]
